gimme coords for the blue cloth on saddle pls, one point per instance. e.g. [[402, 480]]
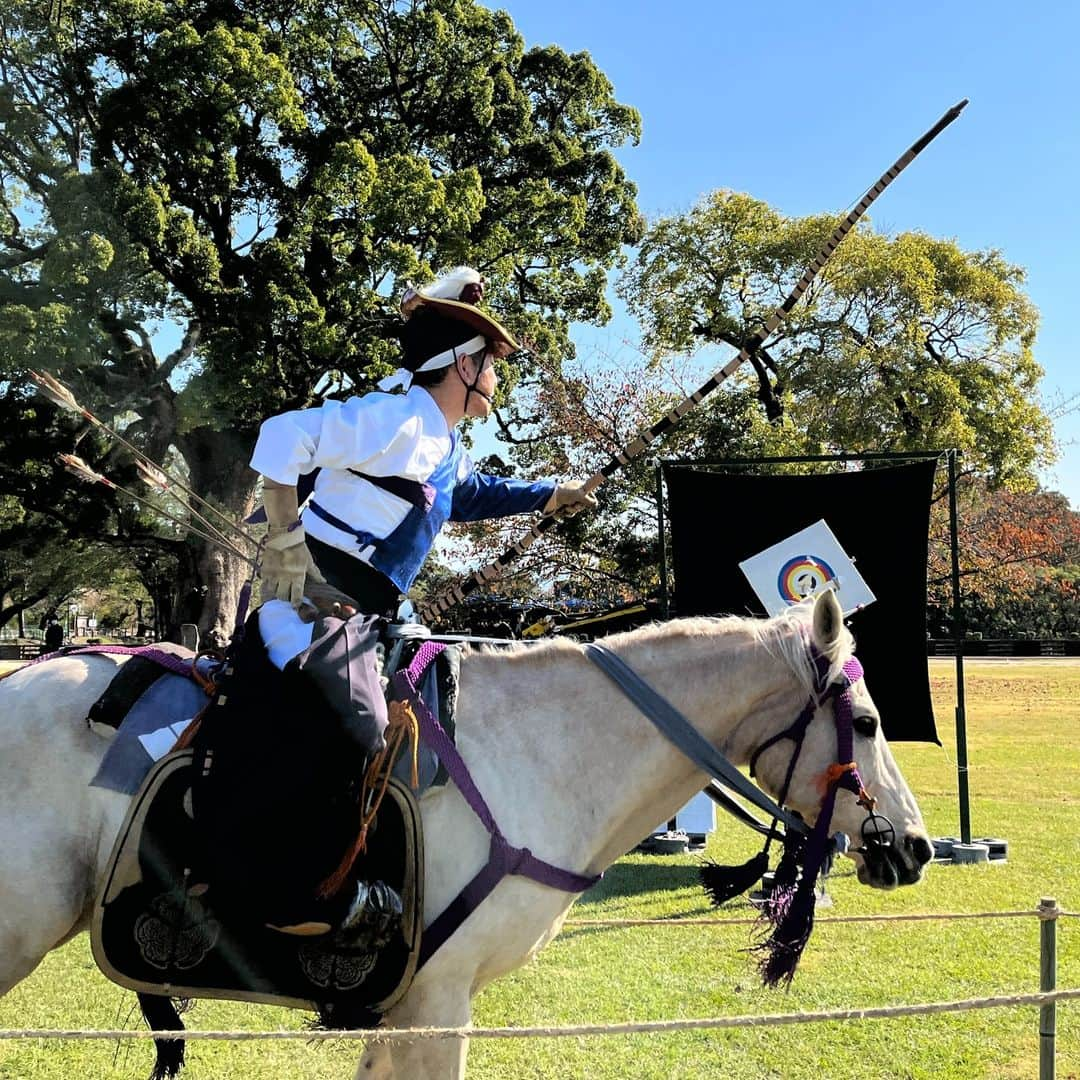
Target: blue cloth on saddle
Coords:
[[438, 688], [151, 727]]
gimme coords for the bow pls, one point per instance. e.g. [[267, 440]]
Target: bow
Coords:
[[493, 571]]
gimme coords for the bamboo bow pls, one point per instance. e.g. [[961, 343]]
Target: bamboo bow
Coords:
[[493, 571]]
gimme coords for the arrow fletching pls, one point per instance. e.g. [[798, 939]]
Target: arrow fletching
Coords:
[[151, 475], [81, 471], [55, 391]]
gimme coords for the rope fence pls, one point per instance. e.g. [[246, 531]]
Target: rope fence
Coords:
[[1046, 1000], [752, 920], [567, 1031]]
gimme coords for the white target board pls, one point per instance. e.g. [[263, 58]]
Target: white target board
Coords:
[[803, 565]]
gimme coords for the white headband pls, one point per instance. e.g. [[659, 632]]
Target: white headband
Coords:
[[403, 376]]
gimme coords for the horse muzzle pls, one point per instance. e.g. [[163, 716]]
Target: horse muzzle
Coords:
[[886, 866]]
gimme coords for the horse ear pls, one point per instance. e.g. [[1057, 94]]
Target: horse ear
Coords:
[[828, 621]]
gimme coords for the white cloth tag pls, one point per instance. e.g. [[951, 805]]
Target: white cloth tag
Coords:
[[158, 743]]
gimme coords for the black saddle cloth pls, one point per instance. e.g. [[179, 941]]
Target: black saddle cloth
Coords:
[[157, 929]]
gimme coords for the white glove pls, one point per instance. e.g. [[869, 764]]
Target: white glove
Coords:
[[286, 561], [570, 498], [286, 564]]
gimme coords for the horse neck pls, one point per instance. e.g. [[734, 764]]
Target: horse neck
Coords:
[[586, 763]]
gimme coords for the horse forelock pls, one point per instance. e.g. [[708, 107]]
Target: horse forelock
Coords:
[[789, 636]]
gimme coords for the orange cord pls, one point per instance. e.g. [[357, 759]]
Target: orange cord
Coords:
[[402, 724], [833, 774]]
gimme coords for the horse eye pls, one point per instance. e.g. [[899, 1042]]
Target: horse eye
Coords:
[[865, 725]]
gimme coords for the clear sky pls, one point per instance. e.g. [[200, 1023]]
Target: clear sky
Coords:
[[804, 106]]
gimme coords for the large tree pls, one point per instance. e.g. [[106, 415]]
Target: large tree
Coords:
[[904, 342], [263, 176]]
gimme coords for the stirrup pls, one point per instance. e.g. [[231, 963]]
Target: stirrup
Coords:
[[304, 929], [373, 918]]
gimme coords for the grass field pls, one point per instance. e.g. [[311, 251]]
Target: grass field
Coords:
[[1024, 740]]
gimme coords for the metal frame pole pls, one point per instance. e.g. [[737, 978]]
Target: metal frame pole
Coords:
[[958, 638], [661, 535], [1048, 914]]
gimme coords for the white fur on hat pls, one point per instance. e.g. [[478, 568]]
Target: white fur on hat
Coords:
[[448, 287]]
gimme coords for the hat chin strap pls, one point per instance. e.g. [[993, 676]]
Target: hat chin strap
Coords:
[[472, 388], [403, 376]]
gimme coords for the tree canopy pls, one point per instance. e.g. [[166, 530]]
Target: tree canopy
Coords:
[[903, 343], [264, 176]]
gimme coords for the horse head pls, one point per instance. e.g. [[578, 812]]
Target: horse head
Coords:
[[833, 759]]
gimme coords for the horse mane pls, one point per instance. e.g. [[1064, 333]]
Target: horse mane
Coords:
[[786, 636]]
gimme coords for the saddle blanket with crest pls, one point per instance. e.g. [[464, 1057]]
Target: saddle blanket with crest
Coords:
[[157, 927]]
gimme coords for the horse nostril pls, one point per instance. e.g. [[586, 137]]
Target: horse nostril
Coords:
[[921, 849]]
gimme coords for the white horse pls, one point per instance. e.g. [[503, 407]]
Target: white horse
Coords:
[[567, 764]]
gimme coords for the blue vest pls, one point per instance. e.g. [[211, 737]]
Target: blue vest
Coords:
[[460, 494]]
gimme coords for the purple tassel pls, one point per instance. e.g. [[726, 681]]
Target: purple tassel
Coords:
[[724, 883], [789, 909], [786, 877], [791, 932]]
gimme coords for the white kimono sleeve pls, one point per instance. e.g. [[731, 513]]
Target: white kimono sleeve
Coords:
[[337, 436]]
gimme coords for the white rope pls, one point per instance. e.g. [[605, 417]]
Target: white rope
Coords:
[[1043, 914], [569, 1031]]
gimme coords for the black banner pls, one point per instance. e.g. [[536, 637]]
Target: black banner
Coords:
[[881, 518]]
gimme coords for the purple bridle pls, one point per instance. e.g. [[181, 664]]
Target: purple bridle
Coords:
[[840, 691], [789, 908]]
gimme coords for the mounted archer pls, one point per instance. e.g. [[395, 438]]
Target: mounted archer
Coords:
[[384, 472]]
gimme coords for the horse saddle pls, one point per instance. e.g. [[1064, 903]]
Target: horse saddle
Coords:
[[155, 928]]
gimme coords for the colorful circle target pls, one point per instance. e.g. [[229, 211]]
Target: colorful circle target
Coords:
[[803, 576]]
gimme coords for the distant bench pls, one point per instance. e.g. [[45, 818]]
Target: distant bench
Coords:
[[16, 651]]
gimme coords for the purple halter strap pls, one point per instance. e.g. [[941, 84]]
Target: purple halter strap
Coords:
[[840, 690], [789, 910], [503, 857], [178, 665]]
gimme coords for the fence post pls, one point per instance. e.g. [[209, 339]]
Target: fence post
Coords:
[[1048, 915]]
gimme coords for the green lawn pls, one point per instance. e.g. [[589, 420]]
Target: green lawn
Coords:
[[1024, 736]]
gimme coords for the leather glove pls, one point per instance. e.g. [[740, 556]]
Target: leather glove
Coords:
[[569, 498], [286, 561]]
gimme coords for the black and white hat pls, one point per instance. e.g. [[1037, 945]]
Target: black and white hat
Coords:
[[442, 322]]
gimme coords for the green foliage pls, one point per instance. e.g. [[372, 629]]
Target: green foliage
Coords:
[[903, 343], [271, 174], [279, 168]]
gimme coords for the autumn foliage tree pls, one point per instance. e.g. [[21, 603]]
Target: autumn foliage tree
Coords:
[[1020, 563]]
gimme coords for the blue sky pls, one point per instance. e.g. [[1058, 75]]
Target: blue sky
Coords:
[[805, 105]]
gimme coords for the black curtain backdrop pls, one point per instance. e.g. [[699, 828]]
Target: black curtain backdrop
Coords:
[[881, 518]]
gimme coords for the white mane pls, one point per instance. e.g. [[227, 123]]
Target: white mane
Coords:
[[787, 636]]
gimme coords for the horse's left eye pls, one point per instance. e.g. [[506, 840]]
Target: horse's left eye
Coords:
[[865, 725]]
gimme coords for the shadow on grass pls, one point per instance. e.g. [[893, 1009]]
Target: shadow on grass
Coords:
[[633, 879]]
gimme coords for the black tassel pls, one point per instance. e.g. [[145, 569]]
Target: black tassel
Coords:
[[160, 1015], [724, 883], [344, 1016]]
